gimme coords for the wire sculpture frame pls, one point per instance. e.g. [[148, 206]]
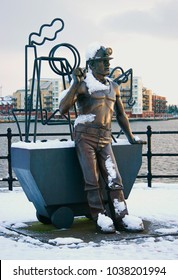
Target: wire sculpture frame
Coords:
[[61, 66]]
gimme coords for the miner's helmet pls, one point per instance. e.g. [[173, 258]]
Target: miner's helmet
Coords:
[[102, 54]]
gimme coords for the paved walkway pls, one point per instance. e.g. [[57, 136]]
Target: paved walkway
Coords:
[[84, 229]]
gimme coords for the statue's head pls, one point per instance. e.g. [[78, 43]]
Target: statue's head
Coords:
[[97, 53]]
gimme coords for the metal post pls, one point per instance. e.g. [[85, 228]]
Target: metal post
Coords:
[[10, 178], [149, 156], [26, 92]]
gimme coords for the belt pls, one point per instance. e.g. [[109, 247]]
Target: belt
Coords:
[[93, 130]]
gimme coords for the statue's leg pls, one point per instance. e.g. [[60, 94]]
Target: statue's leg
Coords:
[[88, 162], [112, 178], [119, 212], [86, 151], [118, 206], [116, 199]]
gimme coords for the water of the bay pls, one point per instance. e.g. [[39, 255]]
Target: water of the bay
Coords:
[[161, 143]]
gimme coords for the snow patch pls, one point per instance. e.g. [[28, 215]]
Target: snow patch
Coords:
[[104, 222], [93, 84], [119, 206], [50, 144], [120, 142], [132, 222], [167, 230], [30, 240], [137, 138], [165, 248], [7, 231], [84, 119], [111, 170], [65, 241], [19, 225], [92, 49]]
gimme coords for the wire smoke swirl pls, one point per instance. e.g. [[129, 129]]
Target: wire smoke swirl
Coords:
[[42, 29]]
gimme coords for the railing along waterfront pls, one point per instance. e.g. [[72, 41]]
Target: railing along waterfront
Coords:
[[149, 154], [149, 176]]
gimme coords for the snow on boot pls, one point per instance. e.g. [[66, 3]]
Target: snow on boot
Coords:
[[124, 221], [120, 208], [105, 224], [131, 224]]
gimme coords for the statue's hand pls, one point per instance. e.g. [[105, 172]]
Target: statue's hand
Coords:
[[137, 140], [78, 75]]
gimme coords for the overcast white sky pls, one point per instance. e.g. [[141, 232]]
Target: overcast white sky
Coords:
[[142, 33]]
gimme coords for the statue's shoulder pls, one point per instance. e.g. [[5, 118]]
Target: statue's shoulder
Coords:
[[114, 84]]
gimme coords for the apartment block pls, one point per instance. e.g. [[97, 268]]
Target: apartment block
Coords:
[[6, 104], [124, 91], [159, 105], [137, 86], [147, 102], [49, 89], [19, 99], [54, 90], [125, 95]]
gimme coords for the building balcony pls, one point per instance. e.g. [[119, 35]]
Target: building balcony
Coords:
[[47, 96], [47, 103]]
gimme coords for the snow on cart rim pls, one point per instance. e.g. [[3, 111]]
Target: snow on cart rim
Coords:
[[53, 144]]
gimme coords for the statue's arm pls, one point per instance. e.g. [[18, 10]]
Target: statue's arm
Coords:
[[69, 96], [68, 99], [122, 117], [123, 120]]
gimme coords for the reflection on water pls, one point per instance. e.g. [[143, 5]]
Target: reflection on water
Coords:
[[161, 143]]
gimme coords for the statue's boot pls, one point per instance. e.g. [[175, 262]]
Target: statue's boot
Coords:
[[104, 224], [119, 212]]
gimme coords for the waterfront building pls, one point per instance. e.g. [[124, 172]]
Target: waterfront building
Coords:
[[52, 99], [124, 91], [147, 102], [6, 105], [159, 105], [49, 88], [137, 86], [137, 109], [19, 99], [142, 97], [125, 95]]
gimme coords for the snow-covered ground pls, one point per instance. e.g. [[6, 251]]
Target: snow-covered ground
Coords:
[[156, 204]]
